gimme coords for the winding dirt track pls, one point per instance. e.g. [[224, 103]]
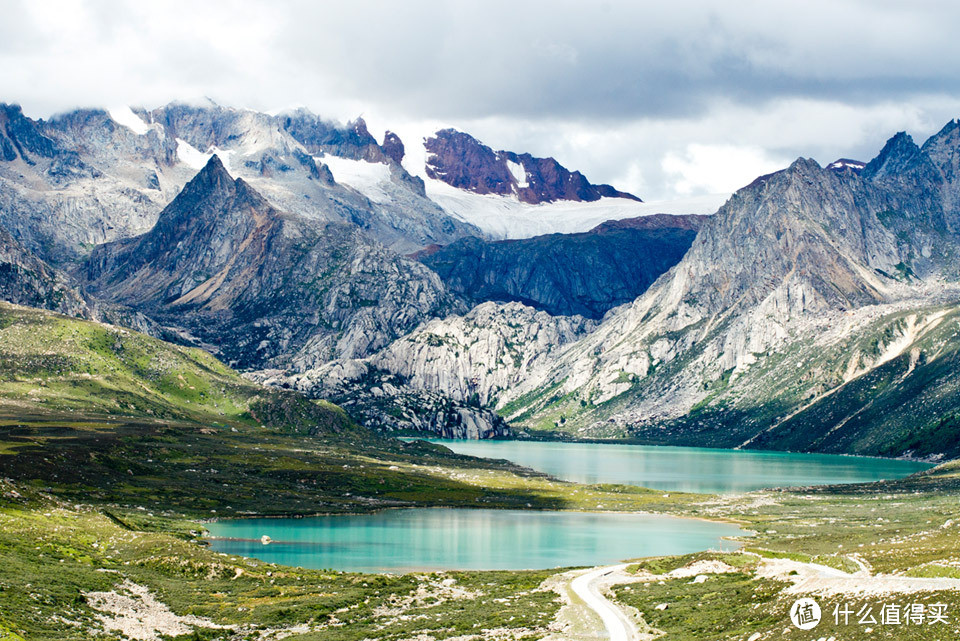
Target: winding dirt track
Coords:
[[588, 587]]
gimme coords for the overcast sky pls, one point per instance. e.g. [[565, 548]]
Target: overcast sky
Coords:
[[664, 99]]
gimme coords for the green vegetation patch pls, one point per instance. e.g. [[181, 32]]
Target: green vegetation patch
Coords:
[[724, 606]]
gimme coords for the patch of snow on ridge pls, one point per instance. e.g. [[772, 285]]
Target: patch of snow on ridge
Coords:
[[124, 116], [196, 159], [190, 155], [505, 217], [846, 163], [519, 174], [369, 178]]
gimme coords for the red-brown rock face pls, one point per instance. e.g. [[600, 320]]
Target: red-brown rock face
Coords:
[[462, 161]]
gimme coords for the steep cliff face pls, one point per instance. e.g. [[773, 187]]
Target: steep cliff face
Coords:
[[566, 274], [462, 161], [261, 286], [27, 280]]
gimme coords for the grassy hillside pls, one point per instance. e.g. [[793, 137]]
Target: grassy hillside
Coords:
[[55, 365], [107, 470], [105, 415], [113, 445]]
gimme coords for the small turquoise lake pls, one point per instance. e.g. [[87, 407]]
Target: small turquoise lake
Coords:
[[686, 469], [465, 539]]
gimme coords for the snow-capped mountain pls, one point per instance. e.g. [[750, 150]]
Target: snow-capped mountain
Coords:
[[807, 291], [460, 160], [92, 175], [497, 193]]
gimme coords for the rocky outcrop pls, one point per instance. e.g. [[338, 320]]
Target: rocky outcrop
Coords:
[[385, 402], [320, 137], [565, 274], [392, 147], [462, 161], [479, 356], [263, 287], [22, 138], [446, 377]]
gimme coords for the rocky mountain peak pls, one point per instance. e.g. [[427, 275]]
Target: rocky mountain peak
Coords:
[[462, 161], [21, 136], [260, 283], [359, 127], [804, 166], [393, 147], [213, 173], [898, 155], [197, 233], [209, 190], [320, 137], [943, 149]]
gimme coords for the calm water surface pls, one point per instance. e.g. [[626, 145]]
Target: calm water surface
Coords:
[[685, 469], [466, 539]]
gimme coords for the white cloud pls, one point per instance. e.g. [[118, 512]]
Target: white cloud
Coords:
[[619, 90], [715, 169]]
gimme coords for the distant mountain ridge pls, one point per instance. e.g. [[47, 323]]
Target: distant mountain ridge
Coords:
[[816, 310], [83, 177]]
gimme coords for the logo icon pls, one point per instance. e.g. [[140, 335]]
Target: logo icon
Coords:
[[805, 614]]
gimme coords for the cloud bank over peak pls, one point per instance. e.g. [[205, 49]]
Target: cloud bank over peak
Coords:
[[657, 98]]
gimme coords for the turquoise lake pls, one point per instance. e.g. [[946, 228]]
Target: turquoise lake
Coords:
[[686, 469], [481, 539], [465, 539]]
